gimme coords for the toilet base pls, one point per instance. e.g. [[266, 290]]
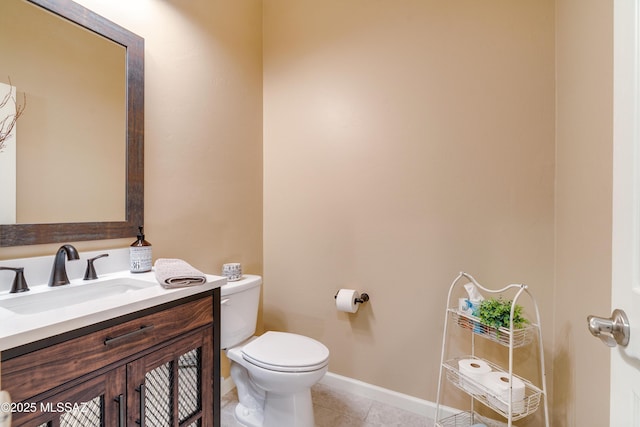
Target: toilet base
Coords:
[[290, 410], [248, 417]]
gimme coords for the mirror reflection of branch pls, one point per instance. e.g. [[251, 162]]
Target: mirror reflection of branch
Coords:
[[8, 123]]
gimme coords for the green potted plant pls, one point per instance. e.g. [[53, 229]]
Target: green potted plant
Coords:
[[495, 312]]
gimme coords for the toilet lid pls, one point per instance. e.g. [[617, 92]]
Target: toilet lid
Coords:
[[286, 352]]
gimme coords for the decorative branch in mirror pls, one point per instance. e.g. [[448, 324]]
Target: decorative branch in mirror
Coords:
[[55, 231], [8, 123]]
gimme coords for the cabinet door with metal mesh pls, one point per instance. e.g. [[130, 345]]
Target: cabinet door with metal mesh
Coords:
[[173, 387], [97, 402]]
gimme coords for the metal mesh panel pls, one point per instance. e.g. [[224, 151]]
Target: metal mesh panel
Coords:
[[160, 385], [158, 396], [87, 414], [195, 424], [43, 425], [189, 369]]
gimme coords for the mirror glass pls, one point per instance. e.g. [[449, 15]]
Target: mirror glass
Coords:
[[64, 69], [78, 145]]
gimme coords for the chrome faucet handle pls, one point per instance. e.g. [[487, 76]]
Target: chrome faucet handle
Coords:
[[90, 272], [19, 282]]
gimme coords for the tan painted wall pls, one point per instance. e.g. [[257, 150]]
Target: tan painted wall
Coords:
[[403, 142], [583, 209]]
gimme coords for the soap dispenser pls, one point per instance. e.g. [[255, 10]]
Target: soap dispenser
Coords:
[[140, 254]]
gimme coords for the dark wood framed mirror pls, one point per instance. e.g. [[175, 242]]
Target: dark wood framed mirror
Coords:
[[71, 13]]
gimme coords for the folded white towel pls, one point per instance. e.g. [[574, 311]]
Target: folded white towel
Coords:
[[176, 273]]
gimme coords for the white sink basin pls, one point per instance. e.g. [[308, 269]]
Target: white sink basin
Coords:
[[69, 295]]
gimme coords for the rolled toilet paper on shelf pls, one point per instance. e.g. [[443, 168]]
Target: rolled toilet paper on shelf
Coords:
[[346, 300], [497, 383], [473, 371]]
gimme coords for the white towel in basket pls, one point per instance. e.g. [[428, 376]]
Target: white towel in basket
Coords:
[[176, 273]]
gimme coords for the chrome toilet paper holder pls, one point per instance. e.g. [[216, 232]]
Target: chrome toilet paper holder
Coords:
[[363, 298]]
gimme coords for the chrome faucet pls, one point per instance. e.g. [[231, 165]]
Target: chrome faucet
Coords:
[[59, 270]]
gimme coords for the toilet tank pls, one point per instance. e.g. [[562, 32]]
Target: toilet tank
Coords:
[[239, 309]]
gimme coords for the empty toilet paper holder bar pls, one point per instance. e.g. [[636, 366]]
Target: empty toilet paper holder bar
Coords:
[[363, 298]]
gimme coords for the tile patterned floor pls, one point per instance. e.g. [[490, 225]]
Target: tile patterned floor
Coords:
[[335, 408]]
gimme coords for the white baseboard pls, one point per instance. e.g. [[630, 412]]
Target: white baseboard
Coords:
[[370, 391], [383, 395]]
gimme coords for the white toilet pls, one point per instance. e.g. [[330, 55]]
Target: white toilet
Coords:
[[273, 372]]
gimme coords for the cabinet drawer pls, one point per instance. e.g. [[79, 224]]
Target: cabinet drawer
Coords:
[[70, 359]]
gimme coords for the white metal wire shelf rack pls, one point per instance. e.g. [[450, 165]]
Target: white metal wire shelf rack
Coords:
[[510, 408]]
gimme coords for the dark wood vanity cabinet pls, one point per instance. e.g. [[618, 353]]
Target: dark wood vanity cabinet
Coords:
[[155, 368]]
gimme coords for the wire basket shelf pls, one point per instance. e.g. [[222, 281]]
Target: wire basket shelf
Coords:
[[521, 337], [519, 409], [468, 419]]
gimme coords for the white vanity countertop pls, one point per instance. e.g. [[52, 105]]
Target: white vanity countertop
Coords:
[[17, 329]]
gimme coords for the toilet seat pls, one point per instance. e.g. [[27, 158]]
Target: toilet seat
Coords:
[[286, 352]]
